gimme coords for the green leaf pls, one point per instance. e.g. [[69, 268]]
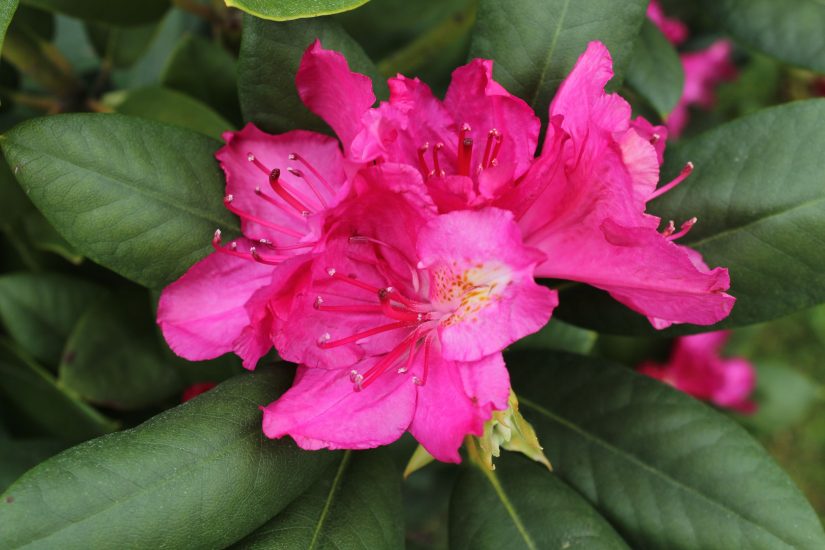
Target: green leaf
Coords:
[[43, 236], [664, 469], [759, 193], [269, 58], [113, 358], [40, 401], [535, 43], [790, 30], [205, 71], [199, 475], [785, 398], [105, 11], [170, 107], [17, 456], [120, 46], [655, 70], [40, 310], [560, 336], [13, 202], [7, 10], [286, 10], [355, 504], [136, 196], [522, 505]]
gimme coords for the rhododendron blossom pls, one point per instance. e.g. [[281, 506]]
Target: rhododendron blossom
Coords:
[[697, 368], [582, 201], [704, 69], [280, 187], [399, 323]]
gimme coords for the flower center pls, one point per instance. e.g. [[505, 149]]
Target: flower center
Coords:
[[464, 160]]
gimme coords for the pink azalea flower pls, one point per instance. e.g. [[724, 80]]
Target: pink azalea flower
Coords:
[[280, 187], [704, 71], [673, 29], [398, 324], [195, 390], [582, 201], [697, 368]]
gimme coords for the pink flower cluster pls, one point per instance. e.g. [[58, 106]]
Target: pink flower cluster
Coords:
[[697, 368], [704, 69], [395, 268]]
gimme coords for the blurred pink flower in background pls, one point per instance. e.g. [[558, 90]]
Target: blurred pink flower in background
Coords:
[[195, 390], [697, 368], [704, 69]]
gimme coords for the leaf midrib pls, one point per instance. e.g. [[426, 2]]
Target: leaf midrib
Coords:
[[508, 506], [333, 490], [548, 58], [635, 460], [133, 186]]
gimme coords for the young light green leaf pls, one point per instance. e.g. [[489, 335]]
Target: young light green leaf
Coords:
[[205, 71], [286, 10], [655, 70], [535, 43], [790, 30], [522, 505], [758, 191], [105, 11], [39, 310], [171, 107], [356, 504], [37, 399], [201, 475], [664, 469], [139, 197], [269, 58]]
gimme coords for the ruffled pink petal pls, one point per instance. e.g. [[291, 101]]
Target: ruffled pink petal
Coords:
[[203, 313], [315, 193], [476, 99], [483, 275], [456, 400], [323, 411], [642, 269], [330, 90]]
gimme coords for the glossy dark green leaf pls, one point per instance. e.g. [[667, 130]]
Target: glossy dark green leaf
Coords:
[[286, 10], [205, 71], [37, 398], [535, 43], [655, 70], [43, 236], [269, 58], [105, 11], [758, 190], [664, 469], [120, 46], [112, 357], [13, 202], [170, 107], [356, 504], [201, 475], [560, 336], [17, 456], [39, 310], [139, 197], [790, 30], [522, 505], [7, 10]]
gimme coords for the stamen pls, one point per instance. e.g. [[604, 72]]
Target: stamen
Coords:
[[364, 308], [426, 372], [361, 335], [277, 186], [388, 359], [275, 260], [686, 171], [251, 158], [668, 231], [436, 168], [491, 136], [308, 166], [654, 139], [465, 150], [386, 296], [494, 156], [422, 162], [686, 227], [413, 272], [227, 202], [299, 174], [231, 249]]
